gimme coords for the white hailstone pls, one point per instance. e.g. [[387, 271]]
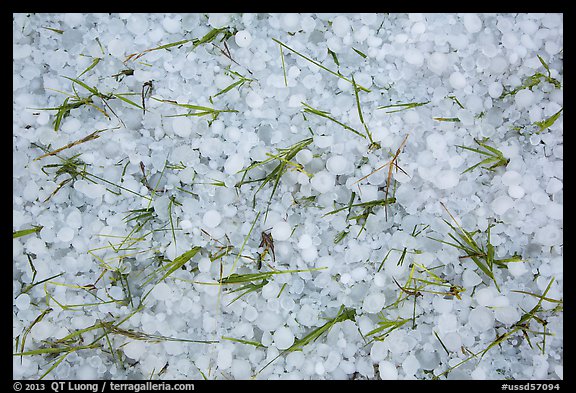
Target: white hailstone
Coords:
[[452, 341], [281, 231], [414, 57], [250, 313], [290, 21], [554, 186], [481, 319], [437, 63], [501, 204], [554, 210], [478, 374], [137, 24], [234, 163], [22, 301], [162, 292], [42, 330], [171, 25], [326, 261], [309, 254], [306, 315], [65, 234], [378, 351], [254, 100], [472, 23], [323, 182], [74, 219], [485, 296], [305, 241], [243, 38], [73, 19], [524, 98], [224, 359], [495, 89], [549, 235], [511, 178], [457, 80], [447, 179], [182, 126], [373, 303], [341, 25], [387, 370], [240, 369], [410, 365], [337, 164], [470, 278], [283, 338], [117, 48], [269, 321], [447, 323], [211, 219], [304, 156], [516, 192], [134, 349], [319, 368], [507, 315]]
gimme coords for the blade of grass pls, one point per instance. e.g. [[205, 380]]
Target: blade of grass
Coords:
[[318, 64]]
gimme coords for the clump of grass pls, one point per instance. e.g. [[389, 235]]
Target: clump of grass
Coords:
[[343, 314], [240, 80], [482, 255], [547, 123], [196, 110], [534, 80], [337, 74], [494, 156], [75, 101], [207, 38], [367, 209], [326, 115], [393, 163], [284, 157], [521, 326]]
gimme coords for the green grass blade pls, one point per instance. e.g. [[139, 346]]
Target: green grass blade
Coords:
[[25, 232]]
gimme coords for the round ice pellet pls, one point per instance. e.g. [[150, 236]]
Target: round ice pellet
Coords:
[[447, 179], [224, 359], [373, 303], [323, 182], [22, 301], [410, 365], [182, 126], [234, 163], [437, 63], [162, 292], [254, 100], [387, 370], [511, 178], [472, 23], [65, 234], [516, 192], [481, 319], [457, 80], [414, 57], [134, 349], [524, 98], [501, 204], [283, 337], [495, 89], [281, 231], [341, 25], [336, 164], [243, 38], [378, 351], [470, 278], [211, 219], [305, 241]]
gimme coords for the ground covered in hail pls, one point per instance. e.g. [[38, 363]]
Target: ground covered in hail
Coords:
[[287, 196]]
